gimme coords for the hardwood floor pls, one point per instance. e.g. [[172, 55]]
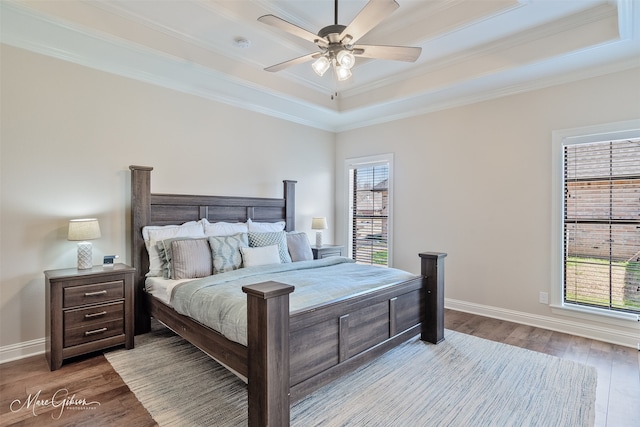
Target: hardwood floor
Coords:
[[93, 379], [89, 378]]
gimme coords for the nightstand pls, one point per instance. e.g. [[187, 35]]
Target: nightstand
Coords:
[[87, 310], [325, 251]]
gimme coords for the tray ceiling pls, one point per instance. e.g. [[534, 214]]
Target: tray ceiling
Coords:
[[471, 50]]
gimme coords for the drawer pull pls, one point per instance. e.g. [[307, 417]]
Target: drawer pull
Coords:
[[93, 294], [89, 316], [96, 331]]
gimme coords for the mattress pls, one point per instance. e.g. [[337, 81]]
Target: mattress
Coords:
[[162, 288]]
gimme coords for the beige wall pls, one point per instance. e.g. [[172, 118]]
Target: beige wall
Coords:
[[475, 182], [69, 134]]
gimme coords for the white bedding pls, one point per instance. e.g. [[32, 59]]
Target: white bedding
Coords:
[[162, 288]]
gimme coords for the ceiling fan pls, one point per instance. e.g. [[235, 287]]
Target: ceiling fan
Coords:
[[337, 43]]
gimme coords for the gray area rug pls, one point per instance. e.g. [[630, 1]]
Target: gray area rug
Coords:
[[464, 381]]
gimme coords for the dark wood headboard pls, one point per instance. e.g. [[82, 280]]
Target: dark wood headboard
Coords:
[[164, 209]]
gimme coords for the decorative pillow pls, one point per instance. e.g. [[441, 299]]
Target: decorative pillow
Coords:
[[272, 238], [191, 259], [299, 247], [166, 254], [223, 228], [265, 227], [262, 255], [154, 234], [225, 251]]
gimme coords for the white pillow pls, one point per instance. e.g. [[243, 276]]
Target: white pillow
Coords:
[[223, 228], [265, 227], [153, 234], [263, 255]]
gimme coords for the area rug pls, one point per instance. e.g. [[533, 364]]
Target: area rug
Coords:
[[463, 381]]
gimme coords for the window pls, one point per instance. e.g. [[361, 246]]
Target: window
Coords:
[[600, 225], [370, 209]]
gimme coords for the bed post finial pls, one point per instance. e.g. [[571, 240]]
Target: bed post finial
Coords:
[[433, 312], [140, 216]]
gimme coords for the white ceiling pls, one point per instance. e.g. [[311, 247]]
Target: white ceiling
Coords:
[[471, 50]]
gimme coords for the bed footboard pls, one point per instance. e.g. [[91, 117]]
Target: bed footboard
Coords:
[[291, 355]]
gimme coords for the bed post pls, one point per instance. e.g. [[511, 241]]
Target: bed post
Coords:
[[268, 353], [290, 204], [140, 216], [432, 266]]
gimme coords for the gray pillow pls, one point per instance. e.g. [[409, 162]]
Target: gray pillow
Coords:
[[191, 259], [299, 247], [166, 254], [279, 238], [225, 251]]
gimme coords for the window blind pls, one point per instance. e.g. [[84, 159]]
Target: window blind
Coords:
[[602, 225], [370, 214]]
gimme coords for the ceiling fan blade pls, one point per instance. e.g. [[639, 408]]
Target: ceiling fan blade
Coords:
[[290, 28], [370, 16], [395, 53], [292, 62]]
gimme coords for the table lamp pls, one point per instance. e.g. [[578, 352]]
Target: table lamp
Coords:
[[319, 223], [82, 230]]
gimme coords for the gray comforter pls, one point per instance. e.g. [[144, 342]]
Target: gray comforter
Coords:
[[218, 301]]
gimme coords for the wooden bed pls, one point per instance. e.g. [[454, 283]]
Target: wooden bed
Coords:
[[288, 355]]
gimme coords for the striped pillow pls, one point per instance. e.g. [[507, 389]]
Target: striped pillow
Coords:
[[191, 259]]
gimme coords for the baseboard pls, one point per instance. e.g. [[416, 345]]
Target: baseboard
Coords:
[[21, 350], [588, 330]]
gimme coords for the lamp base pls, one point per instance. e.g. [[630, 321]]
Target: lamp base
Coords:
[[85, 255], [318, 239]]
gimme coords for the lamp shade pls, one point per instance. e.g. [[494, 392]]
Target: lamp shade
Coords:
[[343, 73], [346, 59], [83, 229], [321, 65], [319, 223]]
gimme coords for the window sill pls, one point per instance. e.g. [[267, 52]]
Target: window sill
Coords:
[[595, 314]]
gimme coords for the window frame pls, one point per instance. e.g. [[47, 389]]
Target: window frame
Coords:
[[365, 161], [560, 138]]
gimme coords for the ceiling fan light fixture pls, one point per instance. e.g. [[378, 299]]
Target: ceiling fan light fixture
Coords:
[[342, 73], [337, 43], [346, 59], [321, 65]]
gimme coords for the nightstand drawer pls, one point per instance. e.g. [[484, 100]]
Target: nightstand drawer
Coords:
[[93, 331], [94, 314], [326, 251], [93, 294]]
